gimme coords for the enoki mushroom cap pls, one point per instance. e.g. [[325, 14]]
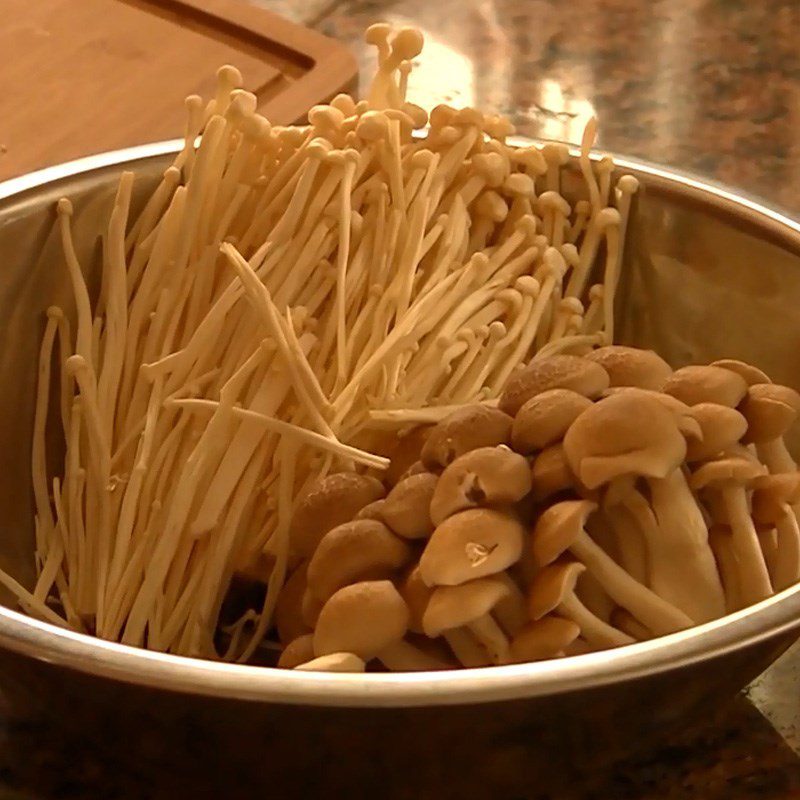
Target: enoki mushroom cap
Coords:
[[545, 418], [362, 549], [551, 586], [727, 470], [770, 410], [455, 606], [363, 618], [471, 544], [406, 509], [706, 384], [330, 502], [488, 476], [556, 372], [466, 429], [771, 495], [628, 433], [544, 638], [630, 366], [721, 427], [558, 527]]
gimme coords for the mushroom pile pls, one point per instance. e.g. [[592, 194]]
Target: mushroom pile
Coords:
[[605, 499]]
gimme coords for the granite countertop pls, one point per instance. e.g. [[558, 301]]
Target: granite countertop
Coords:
[[710, 86]]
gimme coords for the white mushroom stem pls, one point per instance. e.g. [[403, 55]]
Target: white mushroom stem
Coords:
[[491, 637], [728, 564], [597, 632], [775, 456], [630, 543], [685, 535], [787, 563], [511, 611], [755, 583], [334, 662], [404, 657], [656, 613], [466, 648]]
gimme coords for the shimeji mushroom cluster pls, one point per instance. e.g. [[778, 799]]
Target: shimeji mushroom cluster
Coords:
[[606, 499], [286, 297]]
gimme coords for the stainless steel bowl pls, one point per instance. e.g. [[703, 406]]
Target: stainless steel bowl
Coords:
[[708, 274]]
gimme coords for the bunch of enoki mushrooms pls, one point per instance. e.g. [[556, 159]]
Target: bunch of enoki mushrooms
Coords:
[[291, 308]]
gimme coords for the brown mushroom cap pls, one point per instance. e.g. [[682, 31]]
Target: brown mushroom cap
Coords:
[[363, 618], [359, 550], [556, 372], [334, 662], [417, 468], [628, 433], [310, 607], [455, 606], [471, 544], [545, 638], [703, 384], [730, 469], [551, 586], [684, 419], [405, 452], [770, 410], [465, 429], [551, 473], [288, 608], [406, 509], [721, 426], [545, 418], [750, 373], [488, 476], [372, 510], [417, 594], [630, 366], [558, 527], [330, 502], [771, 495], [297, 652]]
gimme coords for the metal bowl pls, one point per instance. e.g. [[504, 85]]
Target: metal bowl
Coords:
[[708, 274]]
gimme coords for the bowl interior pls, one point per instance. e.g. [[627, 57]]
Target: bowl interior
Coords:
[[707, 274]]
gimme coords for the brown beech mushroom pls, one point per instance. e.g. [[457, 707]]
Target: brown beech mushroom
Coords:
[[623, 620], [632, 434], [704, 384], [554, 590], [370, 620], [555, 372], [288, 609], [774, 500], [721, 426], [551, 474], [560, 528], [465, 429], [330, 502], [363, 549], [549, 637], [511, 611], [682, 413], [471, 544], [630, 366], [297, 652], [750, 373], [488, 476], [730, 477], [334, 662], [372, 510], [310, 606], [405, 452], [469, 605], [770, 410], [406, 509], [545, 418]]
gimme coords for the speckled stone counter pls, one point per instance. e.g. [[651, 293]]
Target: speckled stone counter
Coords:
[[709, 86]]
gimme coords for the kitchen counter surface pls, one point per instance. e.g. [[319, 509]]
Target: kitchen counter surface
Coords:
[[709, 86]]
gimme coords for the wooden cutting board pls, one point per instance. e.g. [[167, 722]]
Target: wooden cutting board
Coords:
[[84, 76]]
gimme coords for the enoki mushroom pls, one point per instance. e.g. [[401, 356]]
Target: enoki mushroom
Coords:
[[288, 302]]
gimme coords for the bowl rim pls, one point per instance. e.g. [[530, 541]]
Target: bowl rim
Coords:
[[769, 619]]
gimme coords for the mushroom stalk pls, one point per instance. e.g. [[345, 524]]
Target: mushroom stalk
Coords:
[[404, 657], [787, 563], [684, 532], [465, 648], [491, 637], [597, 632]]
